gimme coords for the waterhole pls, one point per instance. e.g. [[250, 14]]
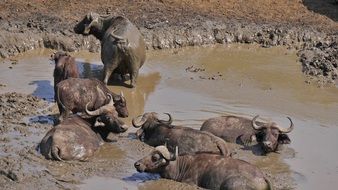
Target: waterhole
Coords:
[[194, 84]]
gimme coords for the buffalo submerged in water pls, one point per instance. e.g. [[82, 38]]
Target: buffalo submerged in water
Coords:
[[211, 171], [270, 136], [154, 132], [76, 95], [76, 138]]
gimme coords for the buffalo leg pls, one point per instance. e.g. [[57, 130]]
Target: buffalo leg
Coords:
[[133, 77], [133, 71], [110, 59], [108, 70]]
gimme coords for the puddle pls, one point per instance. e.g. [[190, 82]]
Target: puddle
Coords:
[[194, 84], [109, 151], [104, 183]]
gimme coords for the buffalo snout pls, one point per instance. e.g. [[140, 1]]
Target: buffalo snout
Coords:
[[139, 166], [122, 112], [268, 146]]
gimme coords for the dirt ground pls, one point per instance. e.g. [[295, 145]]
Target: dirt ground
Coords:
[[321, 14]]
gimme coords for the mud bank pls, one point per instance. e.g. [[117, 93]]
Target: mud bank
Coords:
[[175, 28], [317, 50]]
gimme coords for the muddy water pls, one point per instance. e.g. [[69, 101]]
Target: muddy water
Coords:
[[194, 84]]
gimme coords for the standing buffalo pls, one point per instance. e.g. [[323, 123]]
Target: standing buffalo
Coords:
[[245, 131], [74, 94], [206, 170], [157, 132], [75, 139], [65, 67], [122, 45]]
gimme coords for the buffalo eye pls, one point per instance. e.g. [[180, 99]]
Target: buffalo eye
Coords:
[[105, 118], [155, 157], [275, 134]]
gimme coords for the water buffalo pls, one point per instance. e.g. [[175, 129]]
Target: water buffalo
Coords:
[[157, 132], [245, 131], [206, 170], [73, 94], [65, 67], [122, 45], [76, 138]]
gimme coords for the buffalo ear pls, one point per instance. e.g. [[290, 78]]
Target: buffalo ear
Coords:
[[89, 16], [284, 139], [98, 122]]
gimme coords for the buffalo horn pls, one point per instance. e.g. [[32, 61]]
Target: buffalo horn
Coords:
[[170, 120], [136, 123], [287, 130], [111, 99], [254, 125], [103, 109], [122, 97], [100, 91], [117, 36], [93, 113], [164, 151]]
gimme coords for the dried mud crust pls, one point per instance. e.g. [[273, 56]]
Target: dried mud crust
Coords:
[[303, 25]]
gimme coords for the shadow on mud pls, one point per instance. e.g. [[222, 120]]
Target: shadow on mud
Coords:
[[88, 70], [141, 177], [255, 149], [44, 119], [328, 8], [44, 90]]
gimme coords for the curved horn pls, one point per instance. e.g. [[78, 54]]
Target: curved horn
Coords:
[[111, 99], [117, 36], [164, 151], [100, 91], [254, 125], [95, 112], [109, 96], [287, 130], [122, 97], [170, 120], [137, 124]]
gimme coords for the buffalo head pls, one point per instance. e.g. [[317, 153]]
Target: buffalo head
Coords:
[[88, 24], [95, 24], [156, 160], [108, 116], [270, 135], [148, 121], [120, 105], [57, 55]]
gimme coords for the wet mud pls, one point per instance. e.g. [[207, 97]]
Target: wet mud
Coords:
[[192, 84]]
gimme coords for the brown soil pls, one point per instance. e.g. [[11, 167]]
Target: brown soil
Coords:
[[321, 14]]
